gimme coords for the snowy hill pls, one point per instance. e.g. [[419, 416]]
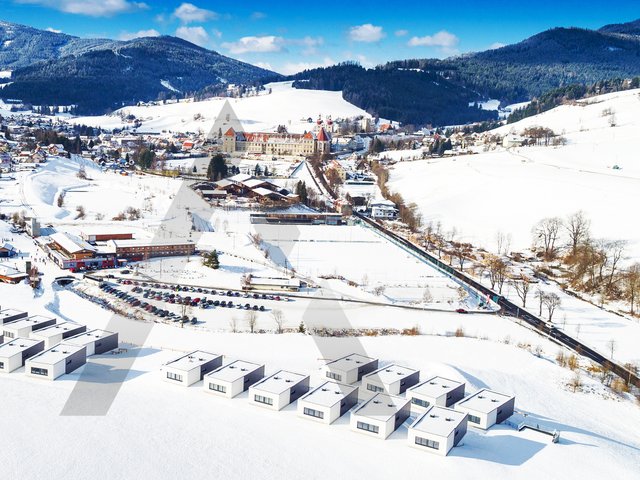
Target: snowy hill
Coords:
[[509, 191], [283, 106]]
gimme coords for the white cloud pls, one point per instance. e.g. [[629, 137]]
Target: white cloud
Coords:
[[441, 39], [265, 65], [401, 33], [293, 67], [310, 44], [197, 35], [495, 45], [263, 44], [189, 13], [140, 33], [258, 15], [366, 33], [53, 30], [91, 8]]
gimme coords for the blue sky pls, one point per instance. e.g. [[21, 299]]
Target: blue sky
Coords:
[[289, 36]]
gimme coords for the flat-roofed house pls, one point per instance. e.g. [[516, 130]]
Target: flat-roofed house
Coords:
[[233, 379], [438, 430], [279, 390], [392, 379], [24, 326], [191, 368], [13, 354], [380, 416], [54, 362], [57, 333], [486, 408], [350, 368], [10, 315], [96, 341], [328, 402], [435, 391]]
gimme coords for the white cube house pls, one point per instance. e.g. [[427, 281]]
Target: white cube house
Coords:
[[435, 391], [190, 368], [328, 402], [392, 379], [22, 328], [486, 408], [13, 354], [233, 378], [96, 341], [57, 333], [279, 390], [350, 368], [438, 430], [54, 362], [380, 416], [10, 315]]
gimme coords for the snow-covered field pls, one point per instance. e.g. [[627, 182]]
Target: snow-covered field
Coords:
[[284, 106], [510, 191]]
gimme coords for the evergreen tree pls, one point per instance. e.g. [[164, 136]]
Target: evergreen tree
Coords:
[[211, 260], [217, 169]]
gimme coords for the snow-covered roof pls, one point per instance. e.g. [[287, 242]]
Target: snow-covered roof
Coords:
[[381, 407], [192, 360], [390, 374], [56, 354], [279, 382], [349, 362], [484, 401], [86, 338], [233, 371], [57, 329], [438, 421], [71, 243], [328, 394], [435, 387], [16, 346]]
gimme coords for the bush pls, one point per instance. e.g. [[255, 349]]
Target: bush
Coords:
[[459, 332]]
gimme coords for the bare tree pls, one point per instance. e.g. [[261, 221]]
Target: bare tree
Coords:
[[503, 243], [497, 272], [521, 285], [612, 346], [576, 382], [233, 323], [540, 295], [426, 295], [251, 319], [552, 301], [616, 253], [632, 285], [546, 234], [578, 229], [278, 318]]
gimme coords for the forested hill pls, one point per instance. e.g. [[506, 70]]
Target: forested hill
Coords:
[[435, 91]]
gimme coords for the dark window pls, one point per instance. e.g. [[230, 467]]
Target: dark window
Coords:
[[425, 442], [334, 376], [265, 400], [217, 388], [367, 427], [313, 413], [419, 402], [174, 376], [374, 388], [474, 419], [39, 371]]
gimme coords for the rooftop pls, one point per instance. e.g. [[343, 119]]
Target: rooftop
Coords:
[[56, 354], [9, 312], [17, 345], [328, 394], [28, 322], [435, 387], [192, 360], [57, 329], [484, 401], [349, 362], [279, 382], [233, 371], [87, 337], [381, 407], [390, 374], [438, 421], [71, 243], [146, 243]]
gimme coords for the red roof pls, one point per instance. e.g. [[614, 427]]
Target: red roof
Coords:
[[230, 133], [322, 136]]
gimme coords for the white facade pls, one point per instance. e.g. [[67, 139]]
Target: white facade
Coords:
[[279, 390], [349, 369], [392, 379], [233, 379], [435, 391], [383, 209], [437, 430], [14, 353], [22, 328], [328, 402], [56, 361], [485, 408], [190, 368], [57, 333], [380, 416]]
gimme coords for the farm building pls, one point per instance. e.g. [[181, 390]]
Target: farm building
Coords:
[[7, 250], [14, 353], [350, 368], [11, 315], [233, 379], [435, 391], [272, 283], [279, 390], [56, 361], [11, 275], [57, 333], [23, 327], [486, 408], [381, 415], [191, 368], [392, 379], [328, 402], [96, 341], [438, 430]]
